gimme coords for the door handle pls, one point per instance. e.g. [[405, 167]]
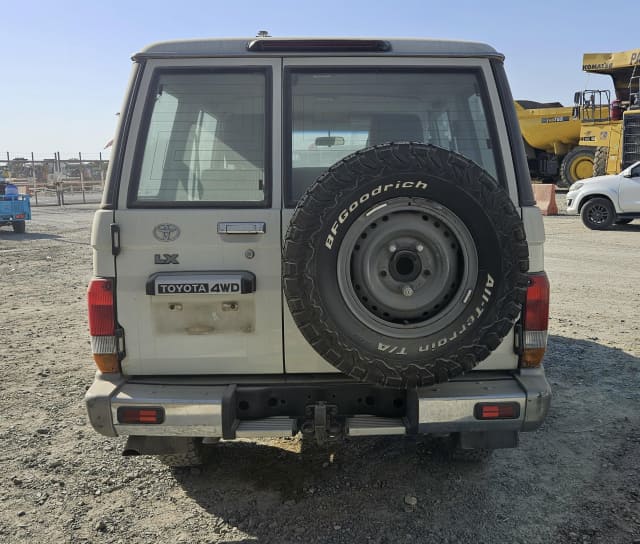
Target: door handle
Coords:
[[242, 227]]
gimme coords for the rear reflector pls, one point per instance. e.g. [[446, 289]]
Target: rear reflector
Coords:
[[102, 324], [536, 321], [498, 410], [140, 415], [19, 216]]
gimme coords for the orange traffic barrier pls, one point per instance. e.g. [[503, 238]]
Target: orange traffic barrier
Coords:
[[545, 195]]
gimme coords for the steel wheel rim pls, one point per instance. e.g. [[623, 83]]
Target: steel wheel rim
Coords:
[[448, 254]]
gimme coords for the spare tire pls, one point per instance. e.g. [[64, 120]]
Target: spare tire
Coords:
[[404, 265]]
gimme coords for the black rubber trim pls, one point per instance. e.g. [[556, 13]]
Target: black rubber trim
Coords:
[[255, 402], [247, 279], [229, 418], [520, 165]]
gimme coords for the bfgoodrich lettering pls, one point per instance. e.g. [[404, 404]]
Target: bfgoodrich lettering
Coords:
[[344, 214]]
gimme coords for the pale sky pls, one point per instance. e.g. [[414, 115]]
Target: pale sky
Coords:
[[65, 64]]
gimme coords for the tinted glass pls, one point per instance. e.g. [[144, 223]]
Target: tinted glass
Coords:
[[205, 141], [334, 114]]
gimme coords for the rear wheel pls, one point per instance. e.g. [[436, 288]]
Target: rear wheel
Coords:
[[19, 227], [600, 161], [576, 165], [598, 214]]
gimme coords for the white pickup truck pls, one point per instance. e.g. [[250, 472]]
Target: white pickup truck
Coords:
[[604, 201]]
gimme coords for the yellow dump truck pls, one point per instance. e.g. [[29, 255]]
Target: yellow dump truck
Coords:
[[611, 127], [551, 134]]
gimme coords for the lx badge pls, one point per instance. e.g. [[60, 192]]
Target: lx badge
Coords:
[[166, 258]]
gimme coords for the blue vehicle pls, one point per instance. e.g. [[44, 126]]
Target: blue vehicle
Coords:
[[15, 208]]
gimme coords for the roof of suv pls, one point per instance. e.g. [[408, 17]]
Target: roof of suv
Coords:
[[291, 46]]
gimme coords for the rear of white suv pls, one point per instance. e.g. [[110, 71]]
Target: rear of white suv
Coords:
[[333, 237]]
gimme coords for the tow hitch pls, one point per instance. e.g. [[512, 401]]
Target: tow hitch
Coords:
[[322, 423]]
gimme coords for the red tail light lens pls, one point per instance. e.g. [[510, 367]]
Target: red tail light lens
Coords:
[[102, 325], [101, 313], [537, 314], [140, 414], [536, 321], [499, 410]]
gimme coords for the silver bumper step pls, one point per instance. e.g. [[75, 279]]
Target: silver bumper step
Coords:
[[374, 426], [269, 427]]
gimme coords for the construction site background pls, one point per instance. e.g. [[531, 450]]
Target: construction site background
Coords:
[[56, 179]]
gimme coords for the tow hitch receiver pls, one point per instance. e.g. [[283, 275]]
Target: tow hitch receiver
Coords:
[[322, 423]]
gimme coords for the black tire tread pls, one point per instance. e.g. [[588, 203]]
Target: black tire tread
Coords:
[[301, 290], [600, 161]]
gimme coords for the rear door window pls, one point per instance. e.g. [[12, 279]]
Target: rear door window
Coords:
[[332, 114], [205, 141]]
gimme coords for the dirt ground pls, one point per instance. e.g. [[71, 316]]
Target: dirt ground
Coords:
[[574, 480]]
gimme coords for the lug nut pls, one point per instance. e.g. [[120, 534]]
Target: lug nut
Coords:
[[393, 248], [407, 291], [419, 248]]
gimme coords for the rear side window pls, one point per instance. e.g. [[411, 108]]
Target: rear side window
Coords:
[[334, 113], [205, 141]]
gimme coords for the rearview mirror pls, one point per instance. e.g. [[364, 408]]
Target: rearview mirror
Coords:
[[329, 141]]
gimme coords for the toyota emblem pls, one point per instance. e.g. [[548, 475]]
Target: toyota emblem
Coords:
[[166, 232]]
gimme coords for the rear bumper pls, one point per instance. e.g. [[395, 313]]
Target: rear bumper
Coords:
[[206, 408]]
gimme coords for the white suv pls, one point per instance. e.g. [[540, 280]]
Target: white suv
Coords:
[[336, 237], [603, 201]]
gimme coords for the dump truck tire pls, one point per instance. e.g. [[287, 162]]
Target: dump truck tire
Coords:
[[576, 165], [600, 161], [404, 265]]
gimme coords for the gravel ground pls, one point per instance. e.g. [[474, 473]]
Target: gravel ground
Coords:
[[574, 480]]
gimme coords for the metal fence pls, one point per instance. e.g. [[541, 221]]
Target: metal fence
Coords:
[[56, 181]]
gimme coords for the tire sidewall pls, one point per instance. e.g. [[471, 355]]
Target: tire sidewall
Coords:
[[489, 283]]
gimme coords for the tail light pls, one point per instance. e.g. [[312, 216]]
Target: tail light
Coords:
[[140, 414], [102, 324], [536, 321], [498, 410]]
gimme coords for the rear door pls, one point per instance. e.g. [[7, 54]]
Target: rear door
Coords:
[[198, 268], [333, 107], [630, 192]]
